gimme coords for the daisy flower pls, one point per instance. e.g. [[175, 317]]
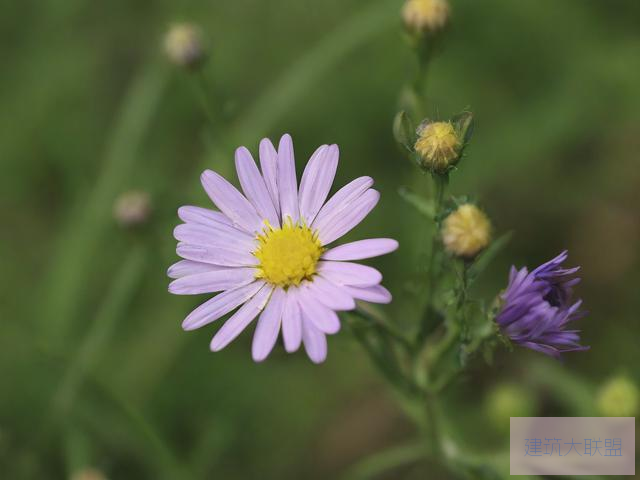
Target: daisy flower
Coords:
[[268, 253], [537, 308]]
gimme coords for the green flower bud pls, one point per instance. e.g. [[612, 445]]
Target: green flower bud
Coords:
[[508, 400]]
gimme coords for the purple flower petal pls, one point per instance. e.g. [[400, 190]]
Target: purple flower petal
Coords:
[[340, 222], [341, 200], [317, 180], [268, 327], [210, 282], [329, 294], [373, 294], [254, 187], [223, 236], [372, 247], [184, 268], [292, 321], [269, 166], [231, 202], [217, 255], [203, 216], [220, 305], [323, 318], [287, 183], [239, 320], [347, 273], [315, 342]]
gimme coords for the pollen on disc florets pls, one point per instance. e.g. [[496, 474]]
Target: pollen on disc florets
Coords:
[[438, 146], [466, 231], [287, 255]]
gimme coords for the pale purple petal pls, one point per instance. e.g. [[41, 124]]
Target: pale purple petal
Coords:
[[322, 317], [220, 305], [269, 166], [268, 326], [372, 247], [222, 235], [225, 255], [287, 182], [347, 273], [254, 187], [231, 202], [374, 294], [341, 200], [188, 267], [329, 294], [315, 342], [203, 216], [291, 321], [343, 221], [317, 180], [210, 282], [239, 320]]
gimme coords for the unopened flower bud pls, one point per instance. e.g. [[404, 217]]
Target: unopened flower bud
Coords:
[[425, 16], [132, 208], [466, 231], [438, 146], [183, 45], [88, 474], [618, 398], [508, 400]]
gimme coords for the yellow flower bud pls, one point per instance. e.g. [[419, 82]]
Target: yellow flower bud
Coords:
[[425, 16], [618, 398], [466, 231], [88, 474], [438, 146], [183, 45]]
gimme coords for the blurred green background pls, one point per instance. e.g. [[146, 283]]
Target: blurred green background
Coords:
[[96, 371]]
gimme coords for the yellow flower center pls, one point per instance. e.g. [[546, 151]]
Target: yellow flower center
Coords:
[[287, 255]]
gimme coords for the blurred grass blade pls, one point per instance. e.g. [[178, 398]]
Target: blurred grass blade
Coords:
[[289, 90], [86, 225], [377, 464], [123, 288]]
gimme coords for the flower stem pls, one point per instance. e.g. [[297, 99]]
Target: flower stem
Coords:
[[440, 184]]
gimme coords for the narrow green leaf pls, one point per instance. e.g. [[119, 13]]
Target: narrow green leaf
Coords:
[[486, 257], [404, 131], [425, 206]]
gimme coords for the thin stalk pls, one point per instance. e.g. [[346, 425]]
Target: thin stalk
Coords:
[[201, 90], [123, 288], [440, 184]]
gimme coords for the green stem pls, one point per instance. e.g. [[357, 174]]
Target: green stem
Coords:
[[383, 324], [440, 183], [201, 91]]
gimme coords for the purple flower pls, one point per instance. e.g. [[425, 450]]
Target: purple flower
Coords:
[[538, 306], [266, 251]]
